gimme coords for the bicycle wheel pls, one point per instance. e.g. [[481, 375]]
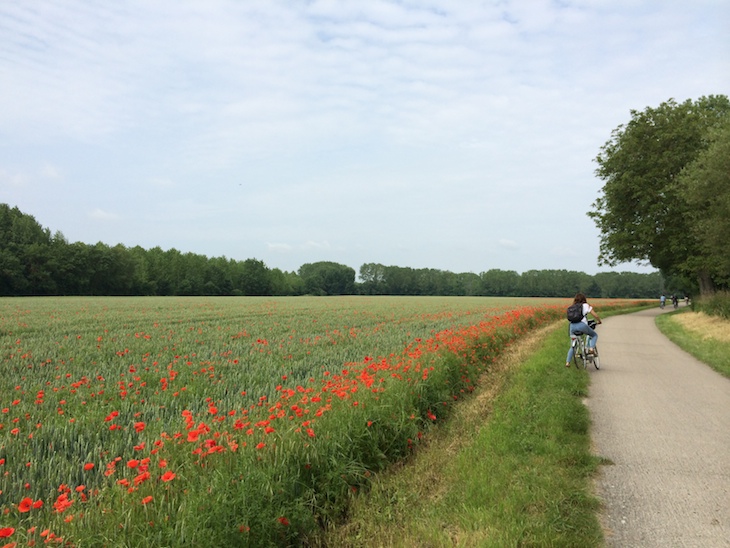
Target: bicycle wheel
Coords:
[[579, 356], [596, 359]]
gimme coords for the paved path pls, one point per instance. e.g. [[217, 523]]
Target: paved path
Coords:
[[663, 419]]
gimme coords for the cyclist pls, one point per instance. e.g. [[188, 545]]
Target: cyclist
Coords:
[[583, 327], [662, 301]]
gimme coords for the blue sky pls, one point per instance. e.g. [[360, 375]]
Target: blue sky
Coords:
[[423, 133]]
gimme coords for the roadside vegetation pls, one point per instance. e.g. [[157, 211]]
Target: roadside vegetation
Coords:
[[512, 467], [704, 332], [716, 304]]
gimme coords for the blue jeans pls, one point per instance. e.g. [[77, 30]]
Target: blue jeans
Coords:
[[577, 329]]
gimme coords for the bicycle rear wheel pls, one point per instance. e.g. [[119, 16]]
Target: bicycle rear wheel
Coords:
[[579, 356], [596, 359]]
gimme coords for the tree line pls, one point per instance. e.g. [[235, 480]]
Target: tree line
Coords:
[[33, 261]]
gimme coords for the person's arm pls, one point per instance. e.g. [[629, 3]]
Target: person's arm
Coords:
[[593, 313]]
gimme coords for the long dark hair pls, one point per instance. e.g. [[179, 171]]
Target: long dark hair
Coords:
[[579, 298]]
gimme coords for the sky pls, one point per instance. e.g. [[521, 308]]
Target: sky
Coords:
[[454, 135]]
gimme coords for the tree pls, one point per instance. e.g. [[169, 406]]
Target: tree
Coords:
[[328, 278], [255, 278], [706, 183], [643, 213], [373, 276], [500, 283]]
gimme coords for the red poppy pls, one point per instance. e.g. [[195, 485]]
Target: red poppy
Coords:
[[147, 499], [168, 476], [62, 503], [139, 426], [88, 466], [141, 478], [6, 532], [283, 520], [25, 505]]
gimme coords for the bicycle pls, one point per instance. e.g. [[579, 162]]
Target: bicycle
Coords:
[[579, 342]]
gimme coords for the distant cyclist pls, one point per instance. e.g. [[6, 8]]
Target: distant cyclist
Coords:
[[578, 328], [662, 301]]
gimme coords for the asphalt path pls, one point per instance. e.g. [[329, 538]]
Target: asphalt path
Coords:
[[663, 419]]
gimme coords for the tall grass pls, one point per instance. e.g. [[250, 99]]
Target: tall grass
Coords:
[[685, 329], [716, 304]]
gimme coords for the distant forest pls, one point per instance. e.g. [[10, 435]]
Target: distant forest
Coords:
[[33, 261]]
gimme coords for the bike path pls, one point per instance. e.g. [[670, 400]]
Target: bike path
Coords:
[[663, 419]]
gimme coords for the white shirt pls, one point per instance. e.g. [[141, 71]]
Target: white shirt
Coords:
[[586, 310]]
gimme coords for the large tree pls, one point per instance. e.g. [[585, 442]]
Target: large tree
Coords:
[[706, 183], [328, 278], [643, 213]]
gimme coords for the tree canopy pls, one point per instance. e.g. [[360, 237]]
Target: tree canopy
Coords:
[[652, 168]]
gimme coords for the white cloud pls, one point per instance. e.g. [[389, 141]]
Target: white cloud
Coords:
[[162, 182], [311, 245], [51, 172], [279, 247], [15, 179], [101, 215], [508, 244]]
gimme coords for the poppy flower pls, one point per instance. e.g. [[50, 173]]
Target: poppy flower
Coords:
[[147, 499], [5, 532], [141, 478], [25, 505], [168, 476], [62, 503], [88, 466]]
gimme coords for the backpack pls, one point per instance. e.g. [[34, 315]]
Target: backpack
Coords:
[[575, 313]]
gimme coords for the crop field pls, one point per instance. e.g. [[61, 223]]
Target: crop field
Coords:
[[224, 421]]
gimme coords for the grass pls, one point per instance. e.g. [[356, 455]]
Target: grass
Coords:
[[707, 338], [234, 422], [512, 467]]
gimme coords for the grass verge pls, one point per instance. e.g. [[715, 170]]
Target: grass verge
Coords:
[[511, 467], [707, 338]]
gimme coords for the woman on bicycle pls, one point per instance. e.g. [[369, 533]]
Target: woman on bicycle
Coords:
[[583, 327]]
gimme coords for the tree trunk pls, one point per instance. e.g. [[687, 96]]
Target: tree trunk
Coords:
[[707, 286]]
